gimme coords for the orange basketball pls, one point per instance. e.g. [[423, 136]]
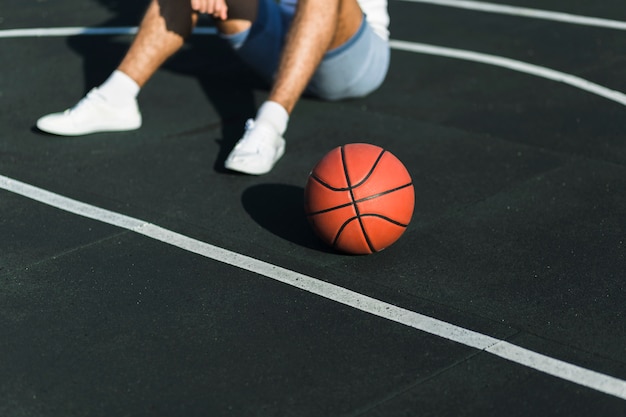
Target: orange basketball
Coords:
[[359, 198]]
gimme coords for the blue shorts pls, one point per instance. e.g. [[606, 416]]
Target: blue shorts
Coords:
[[354, 69]]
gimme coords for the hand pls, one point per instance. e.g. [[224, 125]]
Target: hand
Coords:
[[216, 8]]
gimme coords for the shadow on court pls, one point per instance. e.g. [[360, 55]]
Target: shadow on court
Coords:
[[227, 83], [279, 209]]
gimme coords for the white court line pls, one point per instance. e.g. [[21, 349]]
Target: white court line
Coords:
[[77, 31], [567, 371], [527, 12], [514, 65], [416, 47]]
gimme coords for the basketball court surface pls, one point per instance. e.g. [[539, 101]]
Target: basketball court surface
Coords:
[[140, 278]]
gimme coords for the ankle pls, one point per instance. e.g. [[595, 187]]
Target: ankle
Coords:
[[274, 114], [119, 88]]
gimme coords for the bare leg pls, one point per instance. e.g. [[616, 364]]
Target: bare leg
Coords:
[[162, 32], [318, 26], [113, 106], [164, 28]]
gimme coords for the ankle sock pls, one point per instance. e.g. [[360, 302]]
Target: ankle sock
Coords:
[[274, 114], [119, 88]]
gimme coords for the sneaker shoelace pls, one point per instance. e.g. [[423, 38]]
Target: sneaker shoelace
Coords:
[[254, 143], [86, 102]]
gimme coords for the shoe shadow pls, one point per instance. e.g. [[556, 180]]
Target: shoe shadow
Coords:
[[279, 208], [226, 81]]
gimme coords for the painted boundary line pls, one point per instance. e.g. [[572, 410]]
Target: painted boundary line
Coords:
[[528, 12], [567, 371], [461, 4], [514, 65], [78, 31], [416, 47]]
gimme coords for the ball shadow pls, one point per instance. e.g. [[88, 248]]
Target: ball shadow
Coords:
[[279, 209]]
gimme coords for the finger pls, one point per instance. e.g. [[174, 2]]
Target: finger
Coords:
[[202, 6], [195, 4], [222, 12]]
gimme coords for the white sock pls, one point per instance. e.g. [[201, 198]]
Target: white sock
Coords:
[[274, 114], [119, 88]]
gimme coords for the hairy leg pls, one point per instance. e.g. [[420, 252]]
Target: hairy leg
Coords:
[[318, 26], [165, 26], [161, 33]]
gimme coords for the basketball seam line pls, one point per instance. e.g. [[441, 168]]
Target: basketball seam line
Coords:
[[360, 200], [350, 189], [390, 220]]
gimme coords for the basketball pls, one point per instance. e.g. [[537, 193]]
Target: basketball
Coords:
[[359, 198]]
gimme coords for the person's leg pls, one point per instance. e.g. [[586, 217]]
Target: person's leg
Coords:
[[162, 32], [354, 69], [112, 106], [164, 28], [316, 27], [357, 55]]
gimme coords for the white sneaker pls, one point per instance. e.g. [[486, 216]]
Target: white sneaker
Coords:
[[257, 151], [92, 114]]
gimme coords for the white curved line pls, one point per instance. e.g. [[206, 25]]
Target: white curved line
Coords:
[[416, 47], [588, 378], [527, 12], [512, 64], [77, 31]]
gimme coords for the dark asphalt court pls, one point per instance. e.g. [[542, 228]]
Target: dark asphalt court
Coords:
[[518, 231]]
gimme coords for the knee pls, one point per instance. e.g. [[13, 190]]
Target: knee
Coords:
[[233, 26]]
